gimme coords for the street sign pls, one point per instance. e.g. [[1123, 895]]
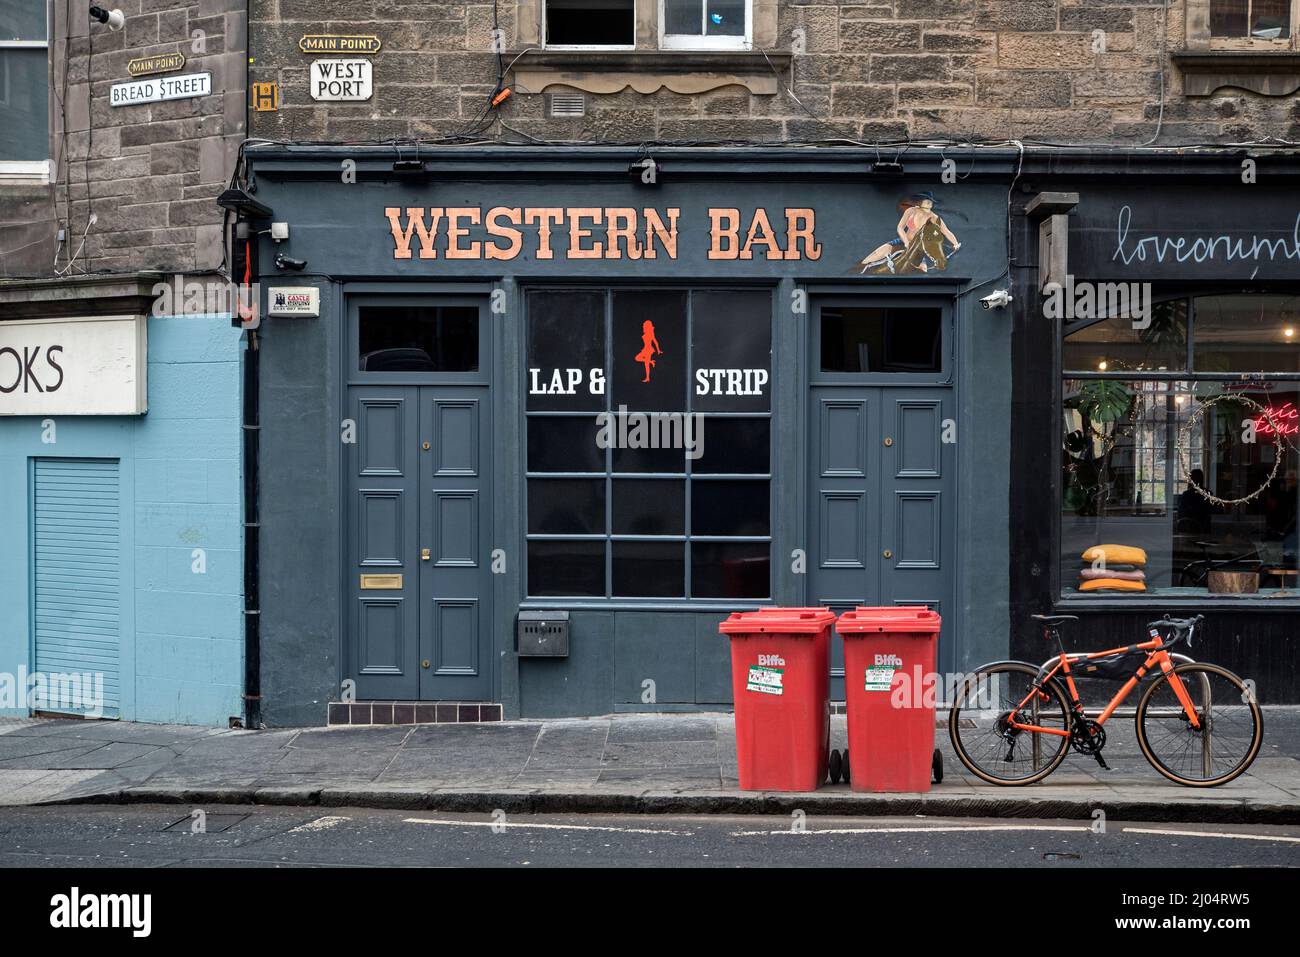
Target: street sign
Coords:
[[338, 43], [341, 80], [184, 87], [161, 63]]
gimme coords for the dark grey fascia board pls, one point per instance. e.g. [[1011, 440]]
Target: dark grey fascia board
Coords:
[[778, 162]]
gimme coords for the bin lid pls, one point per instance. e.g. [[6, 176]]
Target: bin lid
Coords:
[[790, 621], [898, 619]]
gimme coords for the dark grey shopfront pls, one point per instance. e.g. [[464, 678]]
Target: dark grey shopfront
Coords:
[[432, 457]]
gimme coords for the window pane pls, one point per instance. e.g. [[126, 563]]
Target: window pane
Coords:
[[1134, 454], [649, 569], [566, 568], [590, 22], [684, 17], [564, 444], [1250, 333], [730, 570], [24, 100], [649, 507], [1117, 345], [649, 351], [566, 506], [729, 508], [726, 18], [649, 460], [418, 338], [731, 351], [735, 445], [1258, 19], [566, 331], [860, 339], [23, 20]]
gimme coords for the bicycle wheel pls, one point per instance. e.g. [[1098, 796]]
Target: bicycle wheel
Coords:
[[984, 739], [1230, 733]]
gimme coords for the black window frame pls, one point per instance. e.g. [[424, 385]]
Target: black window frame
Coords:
[[686, 476], [1061, 595]]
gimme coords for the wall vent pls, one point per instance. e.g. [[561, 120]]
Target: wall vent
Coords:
[[567, 104]]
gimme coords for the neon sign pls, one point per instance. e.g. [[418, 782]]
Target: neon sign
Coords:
[[1285, 417]]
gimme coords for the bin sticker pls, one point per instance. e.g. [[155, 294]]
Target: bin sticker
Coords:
[[879, 678], [765, 680]]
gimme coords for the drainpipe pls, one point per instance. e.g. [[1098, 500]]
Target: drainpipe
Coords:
[[252, 526]]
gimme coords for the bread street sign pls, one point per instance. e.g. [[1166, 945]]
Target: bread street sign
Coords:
[[337, 43], [184, 87], [162, 63], [341, 80]]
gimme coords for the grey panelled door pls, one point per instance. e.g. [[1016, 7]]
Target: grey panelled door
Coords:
[[881, 501], [419, 540], [419, 512]]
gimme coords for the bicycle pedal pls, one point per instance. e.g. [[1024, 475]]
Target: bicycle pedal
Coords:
[[1102, 762]]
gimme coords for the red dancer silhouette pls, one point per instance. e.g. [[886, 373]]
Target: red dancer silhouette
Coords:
[[649, 347]]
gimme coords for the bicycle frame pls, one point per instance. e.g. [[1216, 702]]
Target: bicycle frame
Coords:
[[1157, 655]]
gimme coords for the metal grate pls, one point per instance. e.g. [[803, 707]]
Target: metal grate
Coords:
[[568, 104]]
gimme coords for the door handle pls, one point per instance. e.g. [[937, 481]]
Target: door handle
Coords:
[[889, 441], [424, 555], [887, 553]]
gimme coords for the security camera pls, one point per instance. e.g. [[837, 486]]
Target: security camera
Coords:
[[113, 18], [996, 299], [287, 263]]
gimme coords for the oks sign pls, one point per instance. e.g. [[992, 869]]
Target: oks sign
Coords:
[[90, 366]]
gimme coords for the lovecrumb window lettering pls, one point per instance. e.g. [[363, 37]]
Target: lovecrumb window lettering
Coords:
[[649, 443]]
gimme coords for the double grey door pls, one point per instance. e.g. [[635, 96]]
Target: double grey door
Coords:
[[419, 534]]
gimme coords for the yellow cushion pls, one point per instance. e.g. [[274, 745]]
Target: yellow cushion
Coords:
[[1116, 554], [1112, 584]]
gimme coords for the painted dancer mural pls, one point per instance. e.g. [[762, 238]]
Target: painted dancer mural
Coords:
[[920, 243]]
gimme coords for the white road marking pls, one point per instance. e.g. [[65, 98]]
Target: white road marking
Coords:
[[319, 824], [1240, 837], [546, 827], [918, 830]]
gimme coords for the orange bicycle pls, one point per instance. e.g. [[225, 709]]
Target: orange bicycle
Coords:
[[1012, 722]]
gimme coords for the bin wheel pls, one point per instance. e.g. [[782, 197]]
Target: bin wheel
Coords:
[[835, 766], [936, 766], [845, 762]]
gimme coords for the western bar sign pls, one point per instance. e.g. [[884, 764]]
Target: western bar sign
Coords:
[[84, 366]]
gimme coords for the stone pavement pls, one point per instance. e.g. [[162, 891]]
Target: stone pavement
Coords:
[[684, 763]]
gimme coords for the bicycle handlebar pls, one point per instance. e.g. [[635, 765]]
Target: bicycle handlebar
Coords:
[[1183, 627]]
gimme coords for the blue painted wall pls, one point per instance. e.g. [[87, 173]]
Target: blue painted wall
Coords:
[[182, 640]]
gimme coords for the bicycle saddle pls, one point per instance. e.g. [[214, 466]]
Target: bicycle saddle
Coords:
[[1054, 619]]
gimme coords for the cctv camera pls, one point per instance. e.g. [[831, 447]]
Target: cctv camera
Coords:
[[996, 299], [113, 18]]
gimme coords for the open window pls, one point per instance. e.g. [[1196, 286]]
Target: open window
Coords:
[[590, 24]]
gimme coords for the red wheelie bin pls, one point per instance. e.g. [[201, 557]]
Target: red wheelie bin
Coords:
[[890, 686], [780, 678]]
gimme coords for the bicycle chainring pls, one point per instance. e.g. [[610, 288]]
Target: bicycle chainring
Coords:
[[1088, 737]]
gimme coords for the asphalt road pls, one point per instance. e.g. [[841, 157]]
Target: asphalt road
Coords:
[[165, 836]]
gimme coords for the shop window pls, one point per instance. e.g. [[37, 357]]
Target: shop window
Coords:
[[24, 92], [418, 338], [866, 339], [649, 443], [1251, 19], [705, 24], [590, 23], [1113, 345], [1195, 471]]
